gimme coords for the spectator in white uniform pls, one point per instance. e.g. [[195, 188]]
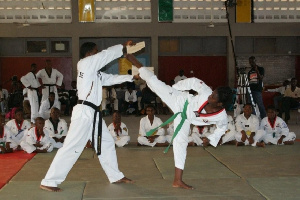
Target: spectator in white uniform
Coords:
[[146, 124], [51, 78], [4, 132], [229, 136], [119, 130], [46, 106], [247, 126], [32, 84], [57, 128], [18, 128], [275, 130], [37, 138], [180, 77]]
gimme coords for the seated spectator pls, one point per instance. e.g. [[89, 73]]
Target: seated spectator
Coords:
[[247, 125], [170, 133], [130, 104], [105, 101], [146, 124], [4, 132], [37, 138], [200, 134], [278, 99], [63, 97], [17, 128], [275, 130], [15, 99], [148, 97], [290, 100], [180, 77], [57, 128], [46, 106], [119, 130], [109, 97], [229, 136], [73, 95]]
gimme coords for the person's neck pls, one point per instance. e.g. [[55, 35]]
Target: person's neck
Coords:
[[54, 119], [19, 121], [247, 116], [151, 117], [272, 119], [39, 132]]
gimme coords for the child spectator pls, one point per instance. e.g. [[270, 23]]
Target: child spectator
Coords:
[[247, 125], [146, 124], [37, 138], [17, 128], [119, 130], [4, 132], [57, 128], [47, 105], [229, 136], [275, 130]]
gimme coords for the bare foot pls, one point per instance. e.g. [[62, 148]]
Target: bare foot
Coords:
[[181, 184], [240, 144], [288, 142], [260, 144], [50, 189], [124, 180]]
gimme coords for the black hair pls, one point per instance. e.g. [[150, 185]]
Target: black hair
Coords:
[[225, 95], [86, 48], [39, 118], [271, 107], [33, 64], [150, 106], [248, 104], [18, 110], [251, 58]]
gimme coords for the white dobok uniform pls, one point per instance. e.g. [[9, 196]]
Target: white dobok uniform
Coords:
[[230, 132], [273, 132], [123, 138], [56, 78], [146, 126], [3, 136], [17, 132], [89, 84], [248, 125], [200, 132], [170, 133], [62, 130], [175, 99], [30, 80], [45, 108], [31, 138]]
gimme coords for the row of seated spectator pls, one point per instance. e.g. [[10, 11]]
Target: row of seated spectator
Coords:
[[18, 134], [129, 100], [288, 98], [245, 130]]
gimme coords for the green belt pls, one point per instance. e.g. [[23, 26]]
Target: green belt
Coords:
[[183, 118]]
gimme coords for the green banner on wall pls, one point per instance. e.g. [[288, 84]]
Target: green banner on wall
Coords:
[[165, 10]]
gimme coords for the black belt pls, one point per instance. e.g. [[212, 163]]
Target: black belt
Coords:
[[99, 135], [49, 85]]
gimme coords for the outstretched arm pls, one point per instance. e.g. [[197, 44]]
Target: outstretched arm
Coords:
[[110, 79], [133, 60]]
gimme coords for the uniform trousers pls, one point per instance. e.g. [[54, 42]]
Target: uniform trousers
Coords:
[[80, 132]]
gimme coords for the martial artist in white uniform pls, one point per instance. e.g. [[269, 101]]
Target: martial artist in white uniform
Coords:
[[17, 129], [170, 133], [230, 132], [196, 111], [275, 130], [200, 132], [248, 124], [61, 129], [145, 126], [89, 84], [50, 81], [121, 137], [32, 84], [4, 134], [45, 108], [31, 138]]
